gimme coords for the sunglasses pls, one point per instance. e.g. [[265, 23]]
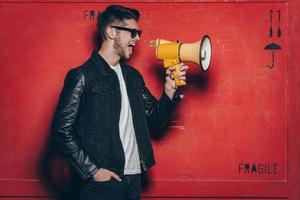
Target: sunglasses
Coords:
[[134, 32]]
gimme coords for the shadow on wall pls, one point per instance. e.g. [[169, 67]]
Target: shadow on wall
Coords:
[[57, 176], [196, 78], [196, 82]]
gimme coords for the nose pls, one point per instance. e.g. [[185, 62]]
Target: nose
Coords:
[[137, 37]]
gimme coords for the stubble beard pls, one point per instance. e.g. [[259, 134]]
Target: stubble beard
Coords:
[[118, 48]]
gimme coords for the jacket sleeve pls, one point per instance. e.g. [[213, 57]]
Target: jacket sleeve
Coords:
[[64, 123], [158, 111]]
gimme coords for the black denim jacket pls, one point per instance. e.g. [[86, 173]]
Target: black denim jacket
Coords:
[[86, 122]]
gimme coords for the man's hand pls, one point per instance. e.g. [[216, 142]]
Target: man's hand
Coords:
[[105, 175], [170, 87]]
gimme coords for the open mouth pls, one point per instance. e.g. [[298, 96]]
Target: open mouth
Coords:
[[131, 46]]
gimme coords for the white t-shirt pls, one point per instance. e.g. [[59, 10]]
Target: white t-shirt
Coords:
[[127, 133]]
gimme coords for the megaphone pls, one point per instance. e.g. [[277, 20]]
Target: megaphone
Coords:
[[172, 53]]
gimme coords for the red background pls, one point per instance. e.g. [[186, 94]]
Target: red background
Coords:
[[240, 111]]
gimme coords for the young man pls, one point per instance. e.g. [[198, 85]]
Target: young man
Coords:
[[101, 122]]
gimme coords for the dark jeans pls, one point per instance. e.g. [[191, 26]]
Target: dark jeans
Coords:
[[128, 189]]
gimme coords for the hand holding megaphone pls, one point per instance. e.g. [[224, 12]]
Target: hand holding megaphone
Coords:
[[177, 74], [173, 53]]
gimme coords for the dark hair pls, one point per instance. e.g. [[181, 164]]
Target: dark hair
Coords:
[[112, 14]]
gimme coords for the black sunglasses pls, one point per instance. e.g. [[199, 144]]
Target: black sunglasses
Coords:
[[134, 32]]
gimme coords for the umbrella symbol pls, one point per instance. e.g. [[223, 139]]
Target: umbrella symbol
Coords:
[[272, 47]]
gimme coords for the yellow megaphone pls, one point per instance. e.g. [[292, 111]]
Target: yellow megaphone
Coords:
[[172, 53]]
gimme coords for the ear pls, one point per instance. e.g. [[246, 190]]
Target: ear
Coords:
[[110, 32]]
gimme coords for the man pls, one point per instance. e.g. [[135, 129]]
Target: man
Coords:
[[101, 122]]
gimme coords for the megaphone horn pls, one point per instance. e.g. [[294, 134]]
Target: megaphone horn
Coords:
[[199, 52]]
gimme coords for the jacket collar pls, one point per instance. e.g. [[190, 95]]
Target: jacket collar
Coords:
[[101, 64], [104, 66]]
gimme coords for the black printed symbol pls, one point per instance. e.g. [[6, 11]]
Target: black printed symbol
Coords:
[[278, 30], [273, 46], [271, 28]]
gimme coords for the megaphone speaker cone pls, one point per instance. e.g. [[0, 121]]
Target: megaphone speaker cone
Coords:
[[198, 52], [205, 53]]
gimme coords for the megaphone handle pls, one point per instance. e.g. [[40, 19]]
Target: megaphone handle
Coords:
[[175, 73]]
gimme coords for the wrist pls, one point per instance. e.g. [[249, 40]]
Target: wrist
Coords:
[[170, 93]]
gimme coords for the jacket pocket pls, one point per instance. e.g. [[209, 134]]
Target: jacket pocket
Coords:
[[102, 89], [102, 97]]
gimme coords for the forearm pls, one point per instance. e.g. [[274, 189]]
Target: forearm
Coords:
[[64, 123], [73, 152], [161, 111]]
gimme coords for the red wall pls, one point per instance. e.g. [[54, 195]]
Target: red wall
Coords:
[[239, 112]]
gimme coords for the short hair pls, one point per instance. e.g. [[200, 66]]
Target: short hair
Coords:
[[112, 14]]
